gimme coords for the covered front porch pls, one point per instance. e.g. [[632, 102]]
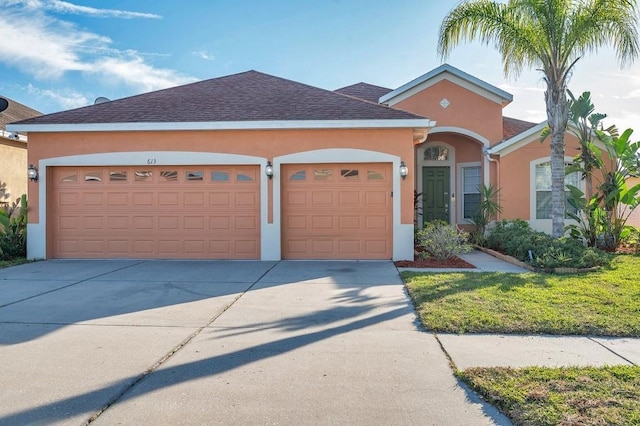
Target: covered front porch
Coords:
[[450, 166]]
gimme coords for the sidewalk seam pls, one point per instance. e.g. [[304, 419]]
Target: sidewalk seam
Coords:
[[612, 351]]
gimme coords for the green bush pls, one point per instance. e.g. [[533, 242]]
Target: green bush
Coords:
[[13, 230], [517, 239], [440, 241]]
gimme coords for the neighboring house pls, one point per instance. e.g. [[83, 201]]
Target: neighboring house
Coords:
[[182, 172], [13, 152]]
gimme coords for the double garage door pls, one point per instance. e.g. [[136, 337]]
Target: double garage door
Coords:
[[155, 212], [330, 211]]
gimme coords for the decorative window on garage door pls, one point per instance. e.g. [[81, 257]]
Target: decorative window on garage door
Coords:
[[351, 174], [299, 175], [119, 176]]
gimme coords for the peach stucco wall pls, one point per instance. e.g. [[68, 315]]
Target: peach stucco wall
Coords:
[[265, 143], [466, 110], [13, 168], [514, 179]]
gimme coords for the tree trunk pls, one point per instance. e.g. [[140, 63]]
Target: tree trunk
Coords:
[[557, 116]]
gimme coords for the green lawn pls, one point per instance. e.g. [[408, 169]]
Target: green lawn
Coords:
[[561, 396], [12, 262], [604, 303]]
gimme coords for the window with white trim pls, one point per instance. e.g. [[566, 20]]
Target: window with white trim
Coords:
[[471, 180], [543, 189]]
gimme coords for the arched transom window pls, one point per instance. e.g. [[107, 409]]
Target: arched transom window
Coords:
[[436, 153]]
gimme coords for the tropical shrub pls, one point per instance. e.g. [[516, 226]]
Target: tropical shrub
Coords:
[[488, 210], [516, 238], [13, 230], [601, 215], [440, 241]]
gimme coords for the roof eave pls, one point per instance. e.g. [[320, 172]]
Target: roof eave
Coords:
[[224, 125]]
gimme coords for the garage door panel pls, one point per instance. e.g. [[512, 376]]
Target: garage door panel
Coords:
[[169, 222], [246, 199], [168, 199], [322, 198], [143, 223], [144, 247], [93, 222], [194, 222], [92, 199], [119, 247], [337, 211], [142, 198], [118, 199], [68, 199], [379, 198], [194, 199], [377, 223], [246, 222], [155, 212], [351, 223]]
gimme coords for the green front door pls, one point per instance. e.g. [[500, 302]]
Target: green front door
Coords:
[[435, 193]]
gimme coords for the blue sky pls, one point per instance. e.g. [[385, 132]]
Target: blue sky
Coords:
[[57, 55]]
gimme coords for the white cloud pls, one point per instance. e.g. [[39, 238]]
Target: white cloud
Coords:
[[47, 48], [44, 47], [204, 55], [520, 89], [134, 72], [60, 6], [66, 7], [67, 98]]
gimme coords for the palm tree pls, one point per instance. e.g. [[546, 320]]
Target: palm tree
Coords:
[[551, 36]]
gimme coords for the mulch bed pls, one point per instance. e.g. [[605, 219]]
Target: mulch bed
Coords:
[[454, 262]]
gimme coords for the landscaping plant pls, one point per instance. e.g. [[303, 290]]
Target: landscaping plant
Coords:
[[13, 230], [516, 238], [488, 210], [441, 241], [601, 218]]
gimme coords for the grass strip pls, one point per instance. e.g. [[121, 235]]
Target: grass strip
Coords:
[[561, 396]]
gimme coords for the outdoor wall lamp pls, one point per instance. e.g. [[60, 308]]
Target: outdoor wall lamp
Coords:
[[268, 170], [404, 170], [32, 173]]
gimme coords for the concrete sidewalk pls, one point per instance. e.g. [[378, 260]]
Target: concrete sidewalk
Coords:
[[498, 350]]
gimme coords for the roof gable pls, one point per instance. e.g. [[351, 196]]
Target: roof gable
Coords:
[[245, 97], [453, 74]]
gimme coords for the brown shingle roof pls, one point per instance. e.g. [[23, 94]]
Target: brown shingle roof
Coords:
[[513, 126], [15, 112], [365, 91], [247, 96]]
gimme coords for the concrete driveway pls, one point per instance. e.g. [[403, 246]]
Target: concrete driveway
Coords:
[[216, 342]]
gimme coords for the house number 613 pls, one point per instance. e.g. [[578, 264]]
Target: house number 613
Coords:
[[151, 161]]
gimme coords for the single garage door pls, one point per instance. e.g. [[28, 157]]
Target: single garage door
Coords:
[[337, 211], [167, 212]]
